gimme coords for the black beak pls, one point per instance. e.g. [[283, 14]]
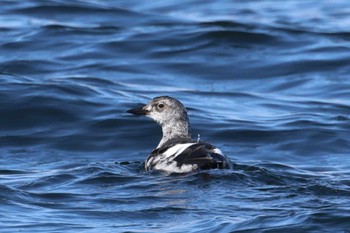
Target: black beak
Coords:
[[137, 111]]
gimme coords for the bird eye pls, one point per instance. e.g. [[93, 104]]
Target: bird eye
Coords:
[[160, 105]]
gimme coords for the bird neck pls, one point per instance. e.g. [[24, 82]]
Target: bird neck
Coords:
[[175, 130]]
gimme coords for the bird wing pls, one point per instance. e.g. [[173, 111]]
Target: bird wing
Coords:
[[204, 155], [181, 154]]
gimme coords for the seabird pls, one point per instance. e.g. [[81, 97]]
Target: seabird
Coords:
[[176, 151]]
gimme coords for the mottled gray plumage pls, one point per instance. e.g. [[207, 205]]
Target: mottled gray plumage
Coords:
[[176, 151]]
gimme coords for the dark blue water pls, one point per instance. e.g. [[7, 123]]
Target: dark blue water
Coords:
[[266, 82]]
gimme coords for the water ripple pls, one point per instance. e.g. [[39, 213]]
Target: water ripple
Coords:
[[267, 83]]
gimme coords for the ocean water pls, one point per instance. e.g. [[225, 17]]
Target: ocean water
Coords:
[[267, 82]]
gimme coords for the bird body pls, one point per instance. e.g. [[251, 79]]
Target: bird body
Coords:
[[177, 152]]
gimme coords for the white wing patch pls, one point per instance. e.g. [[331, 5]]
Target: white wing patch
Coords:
[[218, 151], [176, 150], [165, 161]]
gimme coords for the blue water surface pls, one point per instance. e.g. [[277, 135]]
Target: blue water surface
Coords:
[[266, 81]]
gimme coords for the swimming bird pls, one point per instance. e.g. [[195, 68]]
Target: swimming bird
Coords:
[[176, 151]]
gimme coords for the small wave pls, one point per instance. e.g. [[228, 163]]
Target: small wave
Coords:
[[28, 66]]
